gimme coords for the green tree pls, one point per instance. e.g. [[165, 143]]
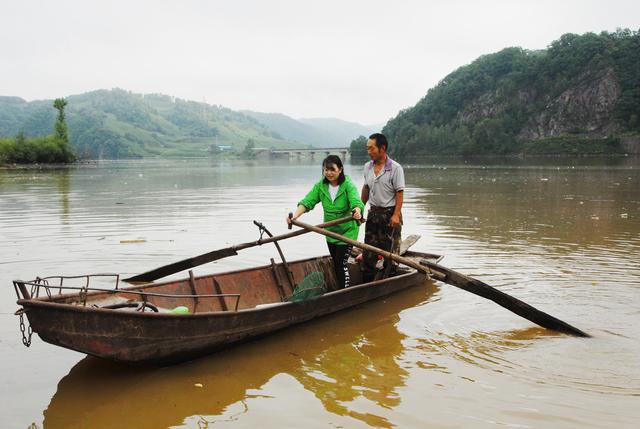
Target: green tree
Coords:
[[62, 132], [358, 147], [248, 152]]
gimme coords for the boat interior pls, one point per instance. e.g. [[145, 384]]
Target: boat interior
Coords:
[[250, 288]]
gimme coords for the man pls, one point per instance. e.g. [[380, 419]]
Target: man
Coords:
[[383, 188]]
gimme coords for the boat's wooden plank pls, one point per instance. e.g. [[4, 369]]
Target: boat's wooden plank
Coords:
[[192, 286], [218, 289], [276, 276]]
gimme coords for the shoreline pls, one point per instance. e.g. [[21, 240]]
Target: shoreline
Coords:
[[352, 160]]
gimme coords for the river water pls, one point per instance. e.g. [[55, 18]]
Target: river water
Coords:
[[562, 236]]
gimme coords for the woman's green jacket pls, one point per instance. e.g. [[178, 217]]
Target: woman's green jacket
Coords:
[[346, 200]]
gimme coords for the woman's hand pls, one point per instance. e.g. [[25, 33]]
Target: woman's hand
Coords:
[[289, 220], [299, 211], [357, 214]]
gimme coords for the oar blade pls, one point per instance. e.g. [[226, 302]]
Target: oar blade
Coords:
[[185, 264], [408, 242], [509, 302]]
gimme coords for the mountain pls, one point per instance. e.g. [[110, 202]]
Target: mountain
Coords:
[[338, 130], [580, 95], [121, 124], [288, 128], [316, 132]]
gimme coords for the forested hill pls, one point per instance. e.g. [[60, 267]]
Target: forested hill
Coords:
[[120, 124], [580, 95]]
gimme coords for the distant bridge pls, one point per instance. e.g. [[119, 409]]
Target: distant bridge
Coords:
[[342, 152]]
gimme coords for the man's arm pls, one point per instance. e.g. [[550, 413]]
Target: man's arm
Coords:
[[364, 194], [398, 185], [395, 218]]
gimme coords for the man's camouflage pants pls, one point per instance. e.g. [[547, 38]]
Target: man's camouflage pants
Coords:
[[378, 233]]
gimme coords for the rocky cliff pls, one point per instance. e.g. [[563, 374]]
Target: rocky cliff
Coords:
[[585, 108]]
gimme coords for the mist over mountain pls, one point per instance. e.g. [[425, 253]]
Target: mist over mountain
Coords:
[[317, 132]]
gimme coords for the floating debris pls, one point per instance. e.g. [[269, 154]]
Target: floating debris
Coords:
[[624, 215], [198, 385], [132, 241]]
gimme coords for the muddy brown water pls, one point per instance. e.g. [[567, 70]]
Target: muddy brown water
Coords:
[[563, 236]]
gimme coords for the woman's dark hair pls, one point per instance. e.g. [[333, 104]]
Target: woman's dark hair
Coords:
[[333, 160], [381, 140]]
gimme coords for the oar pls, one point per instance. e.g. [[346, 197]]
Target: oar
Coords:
[[185, 264], [463, 282]]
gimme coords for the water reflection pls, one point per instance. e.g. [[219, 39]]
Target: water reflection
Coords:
[[340, 359], [63, 184], [364, 366]]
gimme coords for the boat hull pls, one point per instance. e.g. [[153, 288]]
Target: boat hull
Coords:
[[156, 338]]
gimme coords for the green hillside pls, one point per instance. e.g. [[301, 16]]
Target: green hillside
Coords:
[[580, 95], [119, 124]]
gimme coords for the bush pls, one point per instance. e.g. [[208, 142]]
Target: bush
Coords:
[[53, 149], [44, 150]]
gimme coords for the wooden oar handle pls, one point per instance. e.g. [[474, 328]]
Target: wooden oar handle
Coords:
[[358, 221], [290, 218]]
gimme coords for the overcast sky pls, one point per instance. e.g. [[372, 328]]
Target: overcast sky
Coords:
[[356, 60]]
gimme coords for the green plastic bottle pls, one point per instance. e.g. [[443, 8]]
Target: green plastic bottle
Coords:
[[181, 309]]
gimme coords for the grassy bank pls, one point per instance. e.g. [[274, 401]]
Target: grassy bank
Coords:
[[41, 150]]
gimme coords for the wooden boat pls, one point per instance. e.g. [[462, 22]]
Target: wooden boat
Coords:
[[136, 324]]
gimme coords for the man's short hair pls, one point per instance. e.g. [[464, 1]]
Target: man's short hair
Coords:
[[380, 139]]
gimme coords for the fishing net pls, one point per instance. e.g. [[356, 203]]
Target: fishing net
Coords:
[[310, 287]]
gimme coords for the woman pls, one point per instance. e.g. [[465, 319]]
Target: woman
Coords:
[[339, 198]]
